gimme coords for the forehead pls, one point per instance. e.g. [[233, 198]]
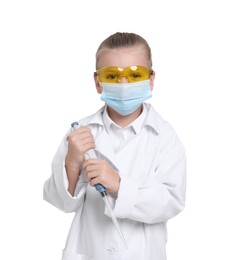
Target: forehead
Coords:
[[123, 57]]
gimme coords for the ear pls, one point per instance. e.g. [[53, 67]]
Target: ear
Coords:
[[98, 85], [152, 78]]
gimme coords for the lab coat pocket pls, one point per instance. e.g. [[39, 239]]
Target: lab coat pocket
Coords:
[[66, 255]]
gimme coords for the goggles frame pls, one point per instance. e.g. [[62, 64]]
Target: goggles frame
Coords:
[[112, 74]]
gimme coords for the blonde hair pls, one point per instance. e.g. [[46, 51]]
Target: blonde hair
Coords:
[[122, 40]]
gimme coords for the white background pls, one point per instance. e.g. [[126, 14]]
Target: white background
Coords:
[[47, 59]]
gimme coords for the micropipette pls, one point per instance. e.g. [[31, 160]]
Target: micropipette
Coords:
[[99, 187]]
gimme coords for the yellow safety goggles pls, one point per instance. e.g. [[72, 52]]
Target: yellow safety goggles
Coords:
[[115, 74]]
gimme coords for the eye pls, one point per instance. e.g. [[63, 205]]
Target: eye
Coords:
[[136, 75], [111, 76]]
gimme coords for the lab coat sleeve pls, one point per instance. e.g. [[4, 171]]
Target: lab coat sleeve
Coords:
[[55, 188], [159, 197]]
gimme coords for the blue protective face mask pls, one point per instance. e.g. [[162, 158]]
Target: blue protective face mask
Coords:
[[125, 98]]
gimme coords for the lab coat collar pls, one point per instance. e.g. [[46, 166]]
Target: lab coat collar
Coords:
[[107, 120], [94, 119], [136, 124], [152, 119]]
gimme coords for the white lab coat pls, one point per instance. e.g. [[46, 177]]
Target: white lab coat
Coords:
[[152, 167]]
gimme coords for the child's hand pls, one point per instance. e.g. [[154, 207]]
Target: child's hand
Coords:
[[100, 171], [79, 141]]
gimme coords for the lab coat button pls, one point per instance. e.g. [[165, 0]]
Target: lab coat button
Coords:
[[111, 251]]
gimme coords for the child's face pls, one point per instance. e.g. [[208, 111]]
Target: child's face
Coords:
[[123, 57]]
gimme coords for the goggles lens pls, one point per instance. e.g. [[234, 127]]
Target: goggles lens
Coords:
[[115, 74]]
